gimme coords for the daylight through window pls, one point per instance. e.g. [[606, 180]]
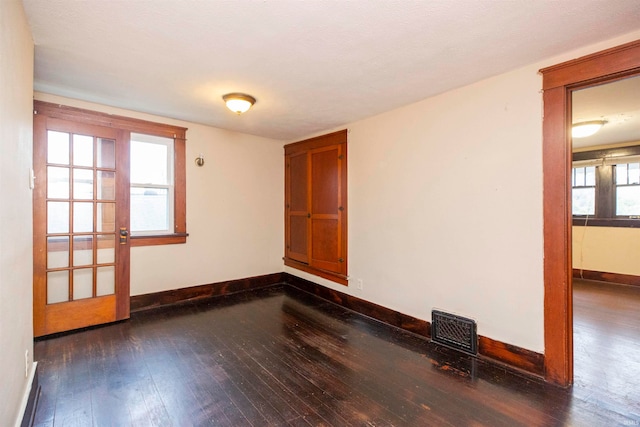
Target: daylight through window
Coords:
[[606, 187], [151, 180]]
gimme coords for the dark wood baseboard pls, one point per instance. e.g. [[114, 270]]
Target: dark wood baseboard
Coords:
[[32, 402], [510, 356], [623, 279], [375, 311], [158, 299]]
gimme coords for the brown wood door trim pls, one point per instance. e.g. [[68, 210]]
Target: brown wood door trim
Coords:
[[558, 81]]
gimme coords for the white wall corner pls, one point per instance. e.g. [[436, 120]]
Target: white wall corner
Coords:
[[25, 396]]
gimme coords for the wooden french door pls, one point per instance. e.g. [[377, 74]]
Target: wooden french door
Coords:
[[81, 223]]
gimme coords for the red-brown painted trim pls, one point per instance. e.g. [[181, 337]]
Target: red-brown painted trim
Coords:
[[158, 299], [619, 59], [558, 82], [164, 239], [602, 276], [558, 332], [507, 355], [82, 115]]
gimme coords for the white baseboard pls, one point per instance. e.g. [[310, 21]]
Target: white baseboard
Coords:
[[25, 397]]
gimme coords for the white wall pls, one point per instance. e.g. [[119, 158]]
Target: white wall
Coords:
[[607, 249], [234, 209], [445, 205], [16, 262]]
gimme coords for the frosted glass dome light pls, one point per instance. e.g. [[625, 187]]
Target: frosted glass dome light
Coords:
[[585, 129], [238, 102]]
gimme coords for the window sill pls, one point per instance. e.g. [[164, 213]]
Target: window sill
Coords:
[[162, 239], [607, 222]]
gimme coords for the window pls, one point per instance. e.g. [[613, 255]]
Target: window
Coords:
[[151, 181], [606, 187], [583, 182], [628, 189]]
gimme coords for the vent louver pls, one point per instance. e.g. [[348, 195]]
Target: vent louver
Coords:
[[454, 331]]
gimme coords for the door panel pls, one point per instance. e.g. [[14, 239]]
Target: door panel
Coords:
[[81, 275], [326, 229], [298, 239], [324, 181], [297, 211], [325, 251]]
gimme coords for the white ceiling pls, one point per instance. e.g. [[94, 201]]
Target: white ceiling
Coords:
[[312, 65], [618, 103]]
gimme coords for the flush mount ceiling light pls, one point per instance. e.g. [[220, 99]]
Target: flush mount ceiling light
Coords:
[[238, 102], [584, 129]]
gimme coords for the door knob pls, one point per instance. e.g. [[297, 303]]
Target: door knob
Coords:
[[123, 235]]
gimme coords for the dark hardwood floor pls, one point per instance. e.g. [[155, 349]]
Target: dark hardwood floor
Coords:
[[279, 356], [607, 348]]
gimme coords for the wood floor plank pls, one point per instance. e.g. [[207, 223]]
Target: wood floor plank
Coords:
[[281, 357]]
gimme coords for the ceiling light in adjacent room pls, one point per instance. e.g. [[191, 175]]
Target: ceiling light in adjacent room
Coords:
[[238, 102], [584, 129]]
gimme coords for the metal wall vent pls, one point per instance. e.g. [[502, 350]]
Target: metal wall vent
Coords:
[[454, 331]]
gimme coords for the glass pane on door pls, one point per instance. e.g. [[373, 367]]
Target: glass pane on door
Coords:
[[106, 153], [57, 147], [82, 250], [106, 217], [57, 217], [106, 249], [81, 216], [57, 182], [58, 252], [83, 184], [57, 286], [106, 187], [82, 150], [106, 281], [82, 283]]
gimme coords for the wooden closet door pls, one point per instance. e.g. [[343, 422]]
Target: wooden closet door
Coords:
[[297, 207], [326, 248]]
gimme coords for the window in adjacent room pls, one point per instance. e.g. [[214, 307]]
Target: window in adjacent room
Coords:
[[583, 182], [627, 187], [606, 187]]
